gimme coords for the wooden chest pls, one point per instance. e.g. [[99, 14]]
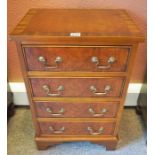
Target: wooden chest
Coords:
[[76, 65]]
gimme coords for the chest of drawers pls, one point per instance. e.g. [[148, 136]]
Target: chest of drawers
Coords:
[[76, 66]]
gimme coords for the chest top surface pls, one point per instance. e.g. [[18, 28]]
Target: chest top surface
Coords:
[[82, 22]]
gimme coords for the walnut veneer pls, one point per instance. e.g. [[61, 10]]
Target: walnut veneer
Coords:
[[76, 65], [79, 56]]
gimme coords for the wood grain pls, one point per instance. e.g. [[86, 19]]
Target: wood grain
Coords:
[[136, 9], [77, 58], [35, 35], [76, 128], [75, 110], [78, 87], [43, 22]]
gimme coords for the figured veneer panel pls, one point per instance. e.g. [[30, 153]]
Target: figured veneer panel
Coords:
[[77, 58], [76, 128], [77, 87], [45, 34], [89, 22], [80, 110]]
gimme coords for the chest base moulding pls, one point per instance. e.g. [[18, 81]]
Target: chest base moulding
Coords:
[[76, 65]]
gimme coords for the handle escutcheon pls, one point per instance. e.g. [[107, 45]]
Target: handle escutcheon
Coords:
[[91, 132], [61, 130], [110, 61], [47, 89], [103, 111], [107, 89], [60, 112], [43, 60]]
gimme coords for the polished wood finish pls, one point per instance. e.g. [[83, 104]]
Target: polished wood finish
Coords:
[[79, 56], [76, 128], [77, 87], [47, 23], [76, 36], [44, 142], [73, 109]]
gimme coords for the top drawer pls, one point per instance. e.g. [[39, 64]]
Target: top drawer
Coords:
[[91, 59]]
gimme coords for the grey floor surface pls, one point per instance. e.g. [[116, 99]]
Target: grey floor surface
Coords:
[[21, 133]]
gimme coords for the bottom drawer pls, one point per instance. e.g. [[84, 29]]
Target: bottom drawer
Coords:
[[77, 128]]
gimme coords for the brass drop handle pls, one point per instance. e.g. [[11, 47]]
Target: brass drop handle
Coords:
[[61, 130], [107, 89], [110, 61], [100, 131], [60, 112], [47, 90], [103, 111], [43, 60]]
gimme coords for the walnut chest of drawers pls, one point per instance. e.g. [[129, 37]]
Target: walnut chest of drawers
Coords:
[[76, 65]]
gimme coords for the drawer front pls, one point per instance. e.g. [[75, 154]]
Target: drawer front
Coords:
[[77, 87], [80, 110], [96, 59], [76, 128]]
